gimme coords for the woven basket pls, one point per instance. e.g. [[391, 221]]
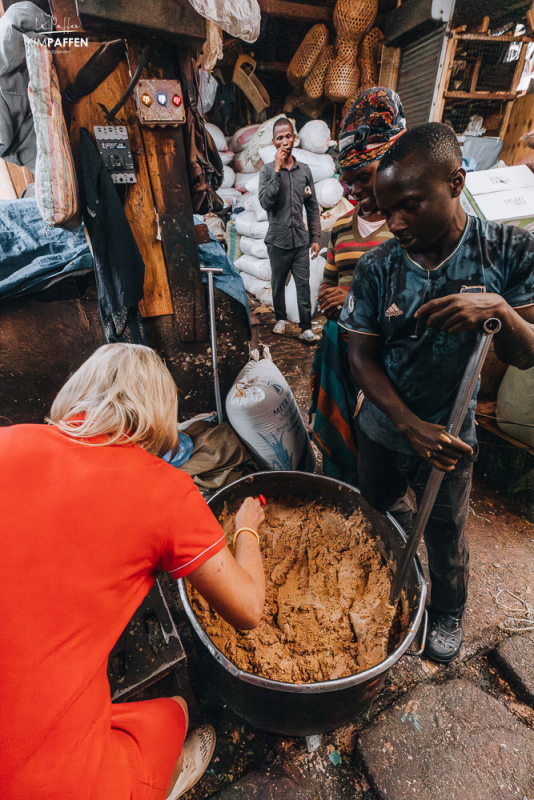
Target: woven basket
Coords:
[[353, 18], [343, 77], [314, 83], [369, 55], [307, 54]]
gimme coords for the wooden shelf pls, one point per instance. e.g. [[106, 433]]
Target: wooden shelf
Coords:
[[480, 95], [296, 11]]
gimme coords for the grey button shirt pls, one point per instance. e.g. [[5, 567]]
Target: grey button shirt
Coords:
[[282, 195]]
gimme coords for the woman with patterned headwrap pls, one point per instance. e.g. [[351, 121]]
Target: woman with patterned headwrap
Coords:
[[374, 121]]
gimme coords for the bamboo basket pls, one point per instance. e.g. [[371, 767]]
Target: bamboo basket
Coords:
[[343, 76], [314, 83], [306, 55], [353, 18], [369, 55]]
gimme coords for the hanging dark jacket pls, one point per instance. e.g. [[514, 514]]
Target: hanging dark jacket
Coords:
[[119, 266]]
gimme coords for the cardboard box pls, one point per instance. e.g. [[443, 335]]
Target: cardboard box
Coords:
[[499, 180], [501, 195]]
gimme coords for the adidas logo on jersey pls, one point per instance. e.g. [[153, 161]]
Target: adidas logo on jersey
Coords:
[[394, 311]]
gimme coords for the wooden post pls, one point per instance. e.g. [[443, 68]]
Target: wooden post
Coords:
[[445, 78], [389, 67]]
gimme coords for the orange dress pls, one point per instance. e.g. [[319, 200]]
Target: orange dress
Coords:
[[85, 531]]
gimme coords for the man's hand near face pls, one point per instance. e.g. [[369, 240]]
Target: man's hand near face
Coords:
[[280, 158]]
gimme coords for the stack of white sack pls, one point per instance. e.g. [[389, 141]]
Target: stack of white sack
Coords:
[[227, 192]]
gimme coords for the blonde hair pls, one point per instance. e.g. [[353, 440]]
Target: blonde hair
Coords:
[[126, 393]]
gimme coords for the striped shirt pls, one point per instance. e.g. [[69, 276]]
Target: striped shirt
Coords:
[[346, 246]]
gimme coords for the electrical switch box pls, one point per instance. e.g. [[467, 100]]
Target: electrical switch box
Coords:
[[160, 102], [114, 147]]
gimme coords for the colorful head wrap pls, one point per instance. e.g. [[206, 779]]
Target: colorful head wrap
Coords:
[[371, 124]]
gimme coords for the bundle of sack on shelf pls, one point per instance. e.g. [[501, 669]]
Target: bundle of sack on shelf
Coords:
[[243, 156]]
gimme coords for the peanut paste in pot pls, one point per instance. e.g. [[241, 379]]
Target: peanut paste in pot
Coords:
[[326, 613]]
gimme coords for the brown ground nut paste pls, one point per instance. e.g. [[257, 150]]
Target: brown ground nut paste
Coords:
[[326, 612]]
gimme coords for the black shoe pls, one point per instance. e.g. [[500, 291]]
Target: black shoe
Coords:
[[444, 638], [405, 520]]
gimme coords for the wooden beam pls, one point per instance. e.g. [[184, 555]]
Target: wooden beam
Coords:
[[271, 66], [520, 66], [480, 95], [484, 37], [296, 11]]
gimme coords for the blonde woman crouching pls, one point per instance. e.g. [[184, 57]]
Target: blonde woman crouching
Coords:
[[89, 517]]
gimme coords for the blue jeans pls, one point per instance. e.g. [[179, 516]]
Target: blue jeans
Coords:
[[384, 477]]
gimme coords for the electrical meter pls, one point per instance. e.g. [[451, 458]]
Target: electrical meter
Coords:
[[114, 147]]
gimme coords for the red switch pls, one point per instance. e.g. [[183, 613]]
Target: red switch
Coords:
[[177, 100]]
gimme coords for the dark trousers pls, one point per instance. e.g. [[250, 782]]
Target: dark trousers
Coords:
[[297, 261], [384, 477]]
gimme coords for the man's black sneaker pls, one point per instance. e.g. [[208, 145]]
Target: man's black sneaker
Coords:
[[444, 638]]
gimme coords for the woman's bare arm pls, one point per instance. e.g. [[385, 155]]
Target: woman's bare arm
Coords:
[[234, 585]]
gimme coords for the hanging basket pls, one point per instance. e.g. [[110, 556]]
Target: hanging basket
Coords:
[[306, 55], [314, 83], [343, 77], [353, 18], [249, 84], [369, 54]]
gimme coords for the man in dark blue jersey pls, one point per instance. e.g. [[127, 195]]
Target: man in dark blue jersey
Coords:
[[413, 312]]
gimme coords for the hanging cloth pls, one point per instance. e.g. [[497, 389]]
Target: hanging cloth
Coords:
[[119, 266]]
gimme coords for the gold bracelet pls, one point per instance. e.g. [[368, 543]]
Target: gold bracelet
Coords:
[[250, 530]]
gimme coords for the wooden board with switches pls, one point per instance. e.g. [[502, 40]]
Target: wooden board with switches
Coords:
[[160, 102]]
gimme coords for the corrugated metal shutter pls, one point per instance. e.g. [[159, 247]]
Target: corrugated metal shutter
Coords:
[[418, 73]]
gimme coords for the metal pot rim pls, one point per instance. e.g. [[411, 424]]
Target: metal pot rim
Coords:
[[319, 686]]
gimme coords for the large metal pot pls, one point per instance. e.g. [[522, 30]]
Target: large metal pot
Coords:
[[312, 708]]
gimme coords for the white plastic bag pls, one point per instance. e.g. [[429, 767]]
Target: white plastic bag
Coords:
[[515, 403], [257, 267], [226, 157], [242, 165], [246, 224], [228, 179], [239, 18], [317, 266], [321, 165], [315, 136], [253, 184], [253, 247], [261, 290], [239, 141], [207, 89], [217, 135], [259, 210], [328, 192], [242, 180], [264, 413]]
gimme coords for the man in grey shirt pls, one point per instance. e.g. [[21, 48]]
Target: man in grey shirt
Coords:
[[285, 185]]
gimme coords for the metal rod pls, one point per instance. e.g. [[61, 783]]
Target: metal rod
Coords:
[[454, 426], [210, 272]]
